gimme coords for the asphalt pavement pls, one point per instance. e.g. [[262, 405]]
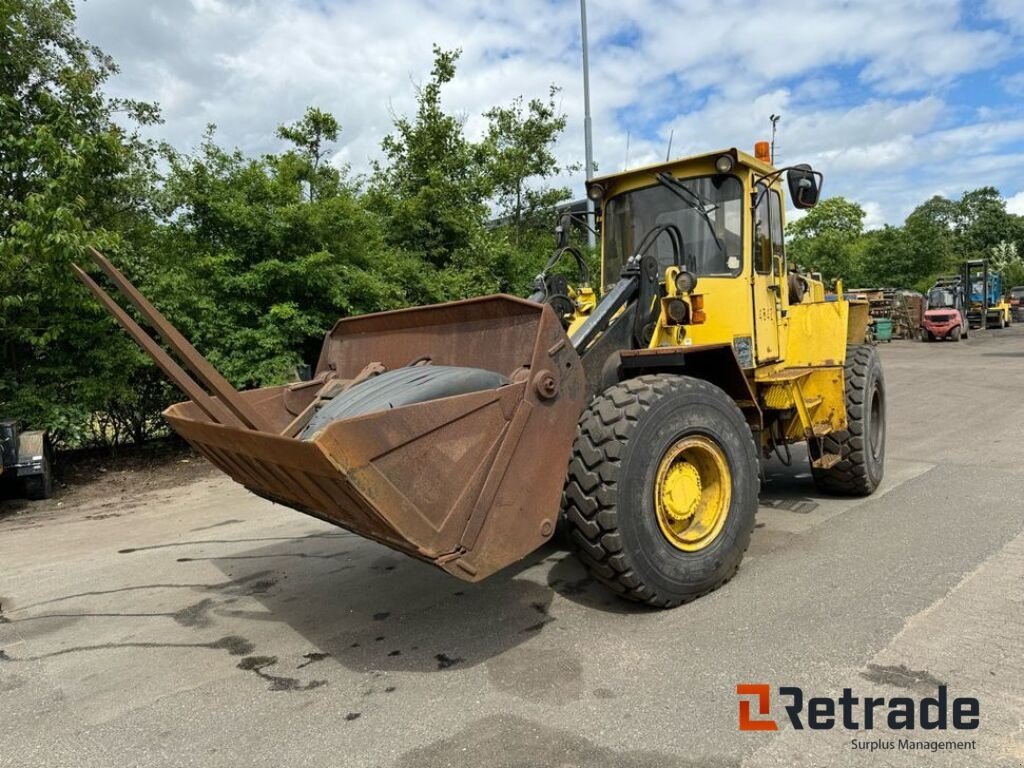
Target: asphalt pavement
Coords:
[[204, 626]]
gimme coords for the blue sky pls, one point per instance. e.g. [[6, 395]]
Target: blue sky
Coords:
[[894, 100]]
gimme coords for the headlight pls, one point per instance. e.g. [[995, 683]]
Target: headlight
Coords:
[[723, 163], [677, 311], [685, 282]]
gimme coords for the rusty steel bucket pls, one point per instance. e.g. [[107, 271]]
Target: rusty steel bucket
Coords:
[[469, 482]]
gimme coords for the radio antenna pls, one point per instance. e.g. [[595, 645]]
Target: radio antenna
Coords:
[[775, 119]]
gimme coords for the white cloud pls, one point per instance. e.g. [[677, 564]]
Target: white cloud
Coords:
[[712, 70], [1014, 84], [874, 218], [1015, 203], [1008, 11]]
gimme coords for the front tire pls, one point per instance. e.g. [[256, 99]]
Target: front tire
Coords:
[[861, 446], [662, 489]]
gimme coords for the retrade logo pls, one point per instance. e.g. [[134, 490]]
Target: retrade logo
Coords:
[[762, 695], [854, 713]]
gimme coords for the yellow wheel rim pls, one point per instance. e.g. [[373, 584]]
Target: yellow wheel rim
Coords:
[[692, 493]]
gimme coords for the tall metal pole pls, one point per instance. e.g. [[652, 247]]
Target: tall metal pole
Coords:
[[587, 138]]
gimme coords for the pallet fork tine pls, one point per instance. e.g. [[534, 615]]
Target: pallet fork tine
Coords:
[[214, 409], [189, 355]]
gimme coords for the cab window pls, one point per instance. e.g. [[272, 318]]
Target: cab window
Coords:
[[768, 239], [709, 217], [762, 233], [775, 206]]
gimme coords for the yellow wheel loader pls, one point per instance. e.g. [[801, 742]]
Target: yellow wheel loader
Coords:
[[634, 406]]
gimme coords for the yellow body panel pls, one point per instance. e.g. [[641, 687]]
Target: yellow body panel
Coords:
[[586, 300], [720, 327], [816, 334], [769, 336], [814, 395]]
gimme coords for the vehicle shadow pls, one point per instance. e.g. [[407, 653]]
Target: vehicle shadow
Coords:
[[791, 487], [372, 609]]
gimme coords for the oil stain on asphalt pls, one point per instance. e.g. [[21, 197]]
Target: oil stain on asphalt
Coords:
[[901, 676], [234, 645], [258, 664], [312, 658]]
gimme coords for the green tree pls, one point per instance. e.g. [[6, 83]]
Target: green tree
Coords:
[[518, 151], [889, 258], [311, 137], [478, 214], [932, 234], [430, 189], [73, 170], [518, 159], [825, 239], [258, 268], [983, 222], [1008, 262]]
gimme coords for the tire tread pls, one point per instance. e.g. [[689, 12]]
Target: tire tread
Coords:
[[849, 477], [589, 499]]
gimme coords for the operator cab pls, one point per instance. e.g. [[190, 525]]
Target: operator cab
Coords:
[[717, 219]]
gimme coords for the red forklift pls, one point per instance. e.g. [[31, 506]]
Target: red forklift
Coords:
[[946, 315]]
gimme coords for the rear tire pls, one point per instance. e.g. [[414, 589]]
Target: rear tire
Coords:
[[954, 335], [628, 443], [861, 446]]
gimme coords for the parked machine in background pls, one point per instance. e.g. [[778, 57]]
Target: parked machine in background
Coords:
[[946, 315], [1016, 298], [986, 306], [26, 461], [634, 406]]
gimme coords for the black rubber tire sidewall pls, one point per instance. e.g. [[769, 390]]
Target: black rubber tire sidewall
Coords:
[[671, 572], [860, 469]]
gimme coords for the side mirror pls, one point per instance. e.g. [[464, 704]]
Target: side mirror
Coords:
[[804, 186], [562, 229]]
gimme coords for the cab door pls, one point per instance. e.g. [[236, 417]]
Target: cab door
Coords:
[[767, 281]]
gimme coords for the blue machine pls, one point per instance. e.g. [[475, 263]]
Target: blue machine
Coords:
[[994, 292], [984, 287]]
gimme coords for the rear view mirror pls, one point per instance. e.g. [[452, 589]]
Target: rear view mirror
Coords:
[[804, 186]]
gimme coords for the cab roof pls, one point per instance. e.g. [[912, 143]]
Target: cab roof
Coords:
[[741, 158]]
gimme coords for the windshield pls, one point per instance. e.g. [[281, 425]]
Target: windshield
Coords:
[[712, 244], [941, 298]]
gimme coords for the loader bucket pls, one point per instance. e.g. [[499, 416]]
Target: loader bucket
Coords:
[[469, 482]]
